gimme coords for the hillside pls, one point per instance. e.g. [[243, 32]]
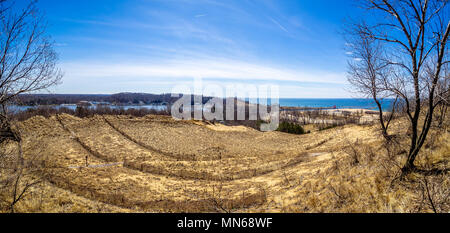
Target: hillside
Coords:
[[119, 98], [157, 164]]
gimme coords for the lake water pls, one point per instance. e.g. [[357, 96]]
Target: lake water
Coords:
[[73, 107], [313, 103], [339, 103]]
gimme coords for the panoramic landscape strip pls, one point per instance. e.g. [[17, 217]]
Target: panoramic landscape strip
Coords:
[[224, 107]]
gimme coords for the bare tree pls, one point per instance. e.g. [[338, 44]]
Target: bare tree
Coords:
[[443, 96], [27, 58], [367, 72], [414, 35], [27, 64]]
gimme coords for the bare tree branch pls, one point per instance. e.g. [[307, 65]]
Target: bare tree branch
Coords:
[[412, 36]]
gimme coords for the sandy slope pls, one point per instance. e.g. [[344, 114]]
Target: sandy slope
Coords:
[[157, 164]]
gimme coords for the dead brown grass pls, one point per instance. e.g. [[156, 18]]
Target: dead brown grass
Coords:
[[163, 165]]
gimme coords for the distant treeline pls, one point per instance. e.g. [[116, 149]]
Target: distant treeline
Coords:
[[82, 112], [119, 99]]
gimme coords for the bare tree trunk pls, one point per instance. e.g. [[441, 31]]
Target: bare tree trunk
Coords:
[[381, 119], [413, 37]]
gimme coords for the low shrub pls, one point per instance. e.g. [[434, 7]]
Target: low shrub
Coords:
[[292, 128]]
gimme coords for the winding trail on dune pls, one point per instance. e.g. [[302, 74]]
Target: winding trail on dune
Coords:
[[238, 175], [296, 158], [154, 204]]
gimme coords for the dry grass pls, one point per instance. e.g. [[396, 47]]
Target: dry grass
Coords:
[[156, 164]]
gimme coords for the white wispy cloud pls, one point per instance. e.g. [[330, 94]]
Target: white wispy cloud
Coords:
[[102, 77], [218, 69], [172, 48], [278, 24]]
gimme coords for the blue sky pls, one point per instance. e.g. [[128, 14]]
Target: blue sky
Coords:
[[149, 46]]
